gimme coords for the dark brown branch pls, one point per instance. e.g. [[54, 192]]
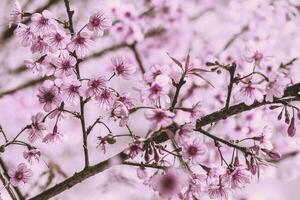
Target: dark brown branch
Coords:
[[137, 57], [231, 71], [235, 36]]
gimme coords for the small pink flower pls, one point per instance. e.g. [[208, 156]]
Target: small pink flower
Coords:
[[184, 133], [37, 127], [43, 23], [160, 118], [249, 94], [57, 40], [98, 23], [31, 155], [20, 175], [53, 137], [72, 91], [134, 149], [105, 98], [197, 112], [275, 89], [264, 138], [193, 150], [80, 43], [158, 90], [156, 70], [33, 65], [39, 45], [120, 111], [126, 100], [95, 86], [170, 183], [217, 191], [238, 177], [122, 67], [26, 34], [16, 16], [256, 54], [49, 95], [65, 64]]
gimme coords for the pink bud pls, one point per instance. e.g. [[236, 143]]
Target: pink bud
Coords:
[[292, 130], [141, 172]]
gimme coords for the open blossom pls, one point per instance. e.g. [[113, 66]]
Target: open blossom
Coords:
[[57, 40], [249, 93], [72, 90], [134, 149], [158, 90], [264, 138], [39, 45], [184, 133], [160, 118], [275, 89], [122, 67], [170, 183], [193, 150], [238, 177], [65, 64], [19, 175], [105, 98], [32, 154], [156, 70], [80, 43], [196, 112], [49, 95], [256, 54], [26, 34], [126, 100], [53, 137], [43, 23], [98, 23], [37, 127], [120, 111], [95, 86], [218, 191], [16, 16]]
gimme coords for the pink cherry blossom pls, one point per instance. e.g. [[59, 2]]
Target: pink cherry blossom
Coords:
[[98, 23], [43, 23], [249, 93], [156, 70], [80, 43], [57, 40], [122, 67], [16, 14], [134, 149], [65, 64], [20, 175], [72, 90], [32, 155], [26, 34], [159, 118], [120, 111], [37, 127], [105, 98], [193, 150], [53, 138], [95, 86], [184, 133], [49, 95]]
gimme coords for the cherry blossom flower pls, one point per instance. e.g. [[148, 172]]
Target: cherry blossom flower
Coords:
[[17, 14], [105, 98], [26, 34], [217, 191], [156, 70], [95, 86], [53, 137], [19, 175], [193, 150], [32, 154], [39, 45], [158, 90], [37, 127], [43, 23], [65, 64], [134, 149], [255, 54], [238, 177], [126, 100], [98, 23], [249, 94], [72, 90], [159, 118], [120, 111], [57, 40], [49, 95], [80, 43], [195, 186], [197, 112], [122, 67], [275, 89], [170, 183], [184, 133], [265, 138]]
